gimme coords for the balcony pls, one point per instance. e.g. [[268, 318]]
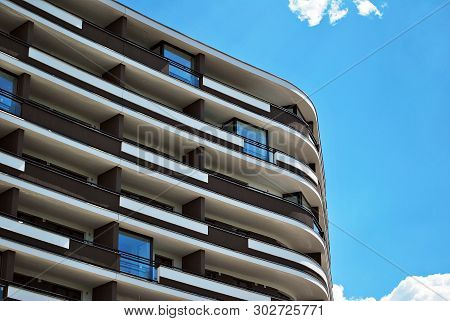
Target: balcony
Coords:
[[130, 264], [120, 44], [77, 185], [73, 128], [277, 157], [216, 236]]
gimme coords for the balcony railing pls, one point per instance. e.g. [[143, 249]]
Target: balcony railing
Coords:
[[141, 267], [251, 148], [194, 78], [9, 103], [188, 75]]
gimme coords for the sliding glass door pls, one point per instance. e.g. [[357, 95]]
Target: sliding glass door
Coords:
[[8, 85], [256, 138], [135, 255]]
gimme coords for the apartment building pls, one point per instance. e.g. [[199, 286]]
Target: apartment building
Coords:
[[137, 163]]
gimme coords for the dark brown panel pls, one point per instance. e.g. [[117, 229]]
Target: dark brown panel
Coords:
[[24, 86], [113, 126], [116, 75], [9, 201], [105, 292], [12, 47], [7, 265], [24, 32], [111, 179], [78, 250], [71, 129], [118, 27], [13, 142], [228, 239], [67, 185], [92, 254], [107, 235], [196, 109], [259, 199], [194, 262], [195, 209], [316, 257], [199, 63], [195, 158]]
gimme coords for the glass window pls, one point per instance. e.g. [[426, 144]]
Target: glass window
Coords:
[[256, 145], [135, 255], [184, 60], [1, 292], [298, 198], [8, 83]]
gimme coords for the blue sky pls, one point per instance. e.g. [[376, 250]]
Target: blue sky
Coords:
[[385, 124]]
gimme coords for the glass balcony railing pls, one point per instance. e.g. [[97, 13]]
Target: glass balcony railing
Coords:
[[182, 73], [8, 104], [137, 266]]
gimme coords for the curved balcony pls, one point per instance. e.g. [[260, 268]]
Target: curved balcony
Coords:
[[141, 54], [36, 235], [78, 187], [81, 131], [208, 124], [72, 184]]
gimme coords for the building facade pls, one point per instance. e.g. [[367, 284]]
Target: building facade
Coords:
[[139, 164]]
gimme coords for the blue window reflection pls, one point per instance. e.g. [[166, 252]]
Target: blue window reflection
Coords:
[[8, 83], [184, 60], [135, 256], [258, 137]]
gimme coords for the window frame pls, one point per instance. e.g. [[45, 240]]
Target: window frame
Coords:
[[15, 105], [300, 196], [252, 142], [150, 258]]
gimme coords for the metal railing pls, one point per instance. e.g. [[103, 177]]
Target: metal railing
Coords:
[[270, 150], [135, 265]]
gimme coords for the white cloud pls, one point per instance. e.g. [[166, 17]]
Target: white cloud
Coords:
[[338, 295], [313, 11], [335, 13], [434, 287], [365, 8], [310, 10]]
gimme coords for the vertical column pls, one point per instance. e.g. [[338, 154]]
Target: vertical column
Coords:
[[194, 262], [111, 179], [13, 142], [118, 27], [8, 259], [24, 85], [195, 209], [9, 201], [196, 109], [316, 257], [105, 292], [116, 75], [107, 235], [24, 32], [199, 63], [195, 158], [114, 126]]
